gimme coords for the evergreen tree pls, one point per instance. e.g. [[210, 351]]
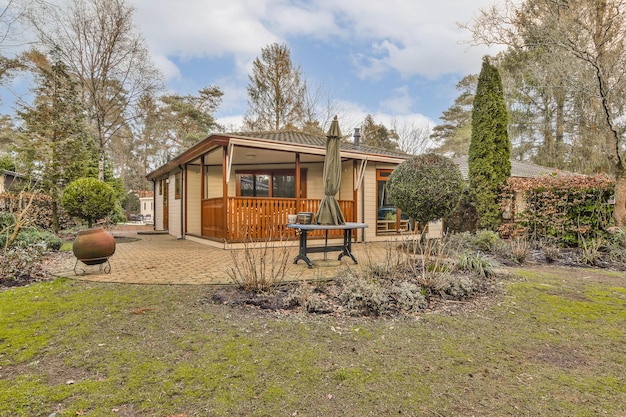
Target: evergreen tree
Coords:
[[377, 135], [454, 133], [489, 151], [276, 93], [54, 142], [191, 117]]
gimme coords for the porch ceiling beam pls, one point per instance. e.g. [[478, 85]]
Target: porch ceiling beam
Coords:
[[229, 160], [312, 150], [360, 174]]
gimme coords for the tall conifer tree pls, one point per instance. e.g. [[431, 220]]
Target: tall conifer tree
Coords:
[[276, 93], [490, 149]]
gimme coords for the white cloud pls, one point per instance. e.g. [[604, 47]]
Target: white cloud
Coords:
[[400, 102], [413, 37]]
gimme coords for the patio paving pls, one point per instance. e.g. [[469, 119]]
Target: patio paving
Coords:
[[163, 259]]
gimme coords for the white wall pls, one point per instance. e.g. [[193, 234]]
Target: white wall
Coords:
[[146, 206], [175, 206], [158, 208], [194, 200]]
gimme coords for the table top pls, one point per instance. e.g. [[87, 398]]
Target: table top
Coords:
[[314, 226]]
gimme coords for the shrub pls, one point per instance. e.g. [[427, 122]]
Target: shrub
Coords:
[[426, 187], [565, 207], [362, 296], [486, 240], [20, 265], [408, 296], [464, 217], [458, 287], [34, 236], [89, 199]]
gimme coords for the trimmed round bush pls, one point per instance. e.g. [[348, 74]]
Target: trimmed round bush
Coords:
[[427, 187], [88, 198]]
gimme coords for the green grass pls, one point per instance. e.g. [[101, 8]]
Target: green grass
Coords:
[[554, 344]]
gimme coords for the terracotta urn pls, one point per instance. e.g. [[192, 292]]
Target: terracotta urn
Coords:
[[93, 246]]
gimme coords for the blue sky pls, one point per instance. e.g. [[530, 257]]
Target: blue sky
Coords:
[[395, 59]]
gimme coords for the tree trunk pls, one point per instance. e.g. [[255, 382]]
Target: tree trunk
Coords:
[[101, 157], [55, 216], [619, 211]]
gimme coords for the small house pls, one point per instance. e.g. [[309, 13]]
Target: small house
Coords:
[[9, 178], [230, 188]]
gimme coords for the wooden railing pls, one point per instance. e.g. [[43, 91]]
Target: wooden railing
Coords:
[[260, 218]]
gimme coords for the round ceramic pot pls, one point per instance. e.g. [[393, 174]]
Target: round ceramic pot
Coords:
[[292, 218], [93, 246]]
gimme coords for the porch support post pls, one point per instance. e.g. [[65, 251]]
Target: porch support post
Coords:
[[298, 187], [225, 173], [202, 195], [355, 196], [185, 189]]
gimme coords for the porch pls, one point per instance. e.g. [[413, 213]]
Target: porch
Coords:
[[238, 219]]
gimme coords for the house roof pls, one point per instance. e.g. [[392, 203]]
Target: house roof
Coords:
[[144, 194], [296, 142], [300, 138], [518, 169]]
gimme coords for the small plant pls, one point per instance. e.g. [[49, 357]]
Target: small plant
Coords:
[[306, 297], [477, 263], [590, 250], [551, 252], [457, 287], [409, 296], [486, 240], [519, 250], [362, 296]]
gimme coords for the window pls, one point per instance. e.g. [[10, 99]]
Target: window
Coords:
[[387, 214], [277, 184], [177, 184]]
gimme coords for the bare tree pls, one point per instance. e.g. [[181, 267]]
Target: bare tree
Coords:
[[97, 41], [594, 33], [413, 138]]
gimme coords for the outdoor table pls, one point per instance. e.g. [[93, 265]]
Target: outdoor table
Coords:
[[346, 248]]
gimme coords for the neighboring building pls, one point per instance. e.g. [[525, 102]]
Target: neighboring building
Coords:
[[518, 169], [9, 179], [232, 187], [146, 206]]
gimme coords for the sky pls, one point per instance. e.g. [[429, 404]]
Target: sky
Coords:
[[394, 59]]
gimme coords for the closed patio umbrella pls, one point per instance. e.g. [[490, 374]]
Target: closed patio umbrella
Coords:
[[329, 212]]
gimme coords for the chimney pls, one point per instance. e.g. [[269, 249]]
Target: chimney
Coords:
[[357, 138]]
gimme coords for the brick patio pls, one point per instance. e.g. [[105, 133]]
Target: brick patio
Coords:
[[163, 259]]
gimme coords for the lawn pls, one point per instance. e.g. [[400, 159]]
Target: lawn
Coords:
[[554, 344]]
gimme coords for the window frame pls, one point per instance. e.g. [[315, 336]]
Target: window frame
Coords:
[[177, 185], [271, 173]]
